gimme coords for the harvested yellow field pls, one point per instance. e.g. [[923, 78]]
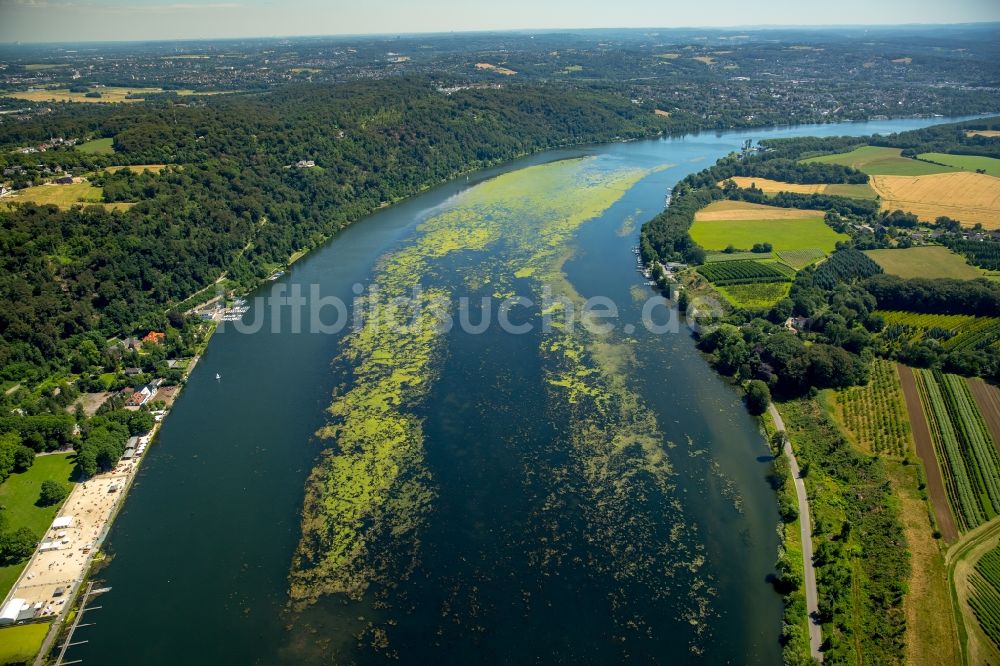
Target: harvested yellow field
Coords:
[[661, 112], [963, 196], [137, 168], [987, 133], [772, 186], [493, 68], [708, 60], [669, 56], [109, 95], [903, 61], [854, 191], [743, 210]]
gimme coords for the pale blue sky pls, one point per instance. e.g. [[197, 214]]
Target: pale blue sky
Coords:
[[78, 20]]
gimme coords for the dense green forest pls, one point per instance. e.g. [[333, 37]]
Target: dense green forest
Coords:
[[228, 204]]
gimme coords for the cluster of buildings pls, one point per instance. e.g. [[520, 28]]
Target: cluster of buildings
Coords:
[[57, 142]]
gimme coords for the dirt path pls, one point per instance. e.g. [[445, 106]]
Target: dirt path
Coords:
[[925, 449], [805, 529], [988, 399]]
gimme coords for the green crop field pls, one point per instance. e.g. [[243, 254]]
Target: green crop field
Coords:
[[97, 147], [713, 257], [991, 165], [742, 272], [20, 644], [761, 296], [877, 161], [985, 594], [931, 261], [799, 259], [796, 234], [953, 332], [875, 413], [18, 495], [968, 457]]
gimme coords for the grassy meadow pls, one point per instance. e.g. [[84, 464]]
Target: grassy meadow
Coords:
[[97, 146], [878, 161], [933, 261], [965, 162], [64, 196]]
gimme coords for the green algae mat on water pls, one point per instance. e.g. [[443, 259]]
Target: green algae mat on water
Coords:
[[369, 499]]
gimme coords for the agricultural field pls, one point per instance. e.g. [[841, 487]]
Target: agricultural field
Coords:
[[852, 191], [137, 168], [970, 198], [878, 161], [875, 414], [760, 296], [725, 273], [494, 68], [921, 321], [799, 259], [64, 196], [984, 597], [986, 133], [97, 147], [741, 225], [990, 165], [931, 261], [967, 454], [109, 94], [713, 257], [727, 209]]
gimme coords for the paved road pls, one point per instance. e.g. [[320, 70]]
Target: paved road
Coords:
[[805, 529]]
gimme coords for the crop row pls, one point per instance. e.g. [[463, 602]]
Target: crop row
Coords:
[[874, 413], [982, 331], [924, 321], [984, 595], [714, 257], [963, 445], [741, 272]]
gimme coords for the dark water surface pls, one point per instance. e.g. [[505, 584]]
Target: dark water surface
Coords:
[[202, 550]]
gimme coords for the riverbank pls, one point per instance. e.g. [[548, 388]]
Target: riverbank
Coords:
[[243, 474], [61, 564]]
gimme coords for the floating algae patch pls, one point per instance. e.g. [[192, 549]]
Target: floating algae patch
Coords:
[[369, 499]]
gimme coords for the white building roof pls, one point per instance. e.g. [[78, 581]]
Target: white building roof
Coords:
[[61, 522], [10, 612]]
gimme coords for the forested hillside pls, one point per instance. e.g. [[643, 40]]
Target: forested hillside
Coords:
[[227, 201]]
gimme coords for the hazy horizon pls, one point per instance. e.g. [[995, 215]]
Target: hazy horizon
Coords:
[[43, 21]]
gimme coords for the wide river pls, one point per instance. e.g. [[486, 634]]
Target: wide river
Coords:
[[542, 497]]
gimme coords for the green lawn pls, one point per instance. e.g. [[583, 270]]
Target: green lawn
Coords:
[[18, 495], [21, 643], [932, 261], [965, 162], [804, 234], [878, 161], [97, 147]]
